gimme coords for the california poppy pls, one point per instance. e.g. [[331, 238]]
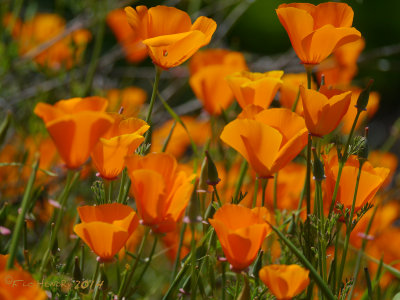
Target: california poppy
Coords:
[[169, 34], [135, 50], [122, 139], [324, 109], [208, 70], [130, 99], [255, 88], [241, 231], [161, 192], [316, 31], [285, 281], [371, 179], [75, 125], [106, 228], [42, 28], [270, 141]]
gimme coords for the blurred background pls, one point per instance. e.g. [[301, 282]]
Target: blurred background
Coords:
[[251, 27]]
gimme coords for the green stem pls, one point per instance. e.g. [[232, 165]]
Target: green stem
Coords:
[[21, 217], [309, 75], [164, 147], [349, 228], [121, 187], [193, 280], [152, 101], [216, 195], [223, 280], [242, 174], [237, 286], [275, 191], [255, 192], [321, 229], [71, 179], [308, 176], [264, 183], [294, 106]]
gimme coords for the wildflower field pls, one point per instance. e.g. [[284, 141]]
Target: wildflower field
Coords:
[[152, 150]]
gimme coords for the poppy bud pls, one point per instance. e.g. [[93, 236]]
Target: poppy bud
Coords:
[[77, 273], [362, 100], [194, 209], [213, 178], [363, 151], [318, 167]]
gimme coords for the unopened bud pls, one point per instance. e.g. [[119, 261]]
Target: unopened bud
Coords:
[[213, 178], [363, 98]]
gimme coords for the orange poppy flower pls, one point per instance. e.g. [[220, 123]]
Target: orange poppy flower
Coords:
[[255, 88], [324, 109], [270, 141], [371, 180], [341, 68], [106, 228], [199, 130], [161, 192], [19, 284], [290, 90], [132, 243], [169, 44], [316, 31], [285, 281], [240, 231], [44, 27], [135, 50], [122, 139], [372, 107], [208, 70], [75, 125], [130, 99]]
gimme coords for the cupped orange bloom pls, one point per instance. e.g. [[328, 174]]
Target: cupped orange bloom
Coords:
[[372, 107], [130, 99], [285, 281], [250, 112], [41, 29], [289, 90], [240, 231], [316, 31], [371, 179], [208, 70], [270, 141], [135, 50], [255, 88], [106, 228], [324, 109], [75, 125], [19, 284], [121, 140], [169, 34], [161, 192], [199, 131]]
